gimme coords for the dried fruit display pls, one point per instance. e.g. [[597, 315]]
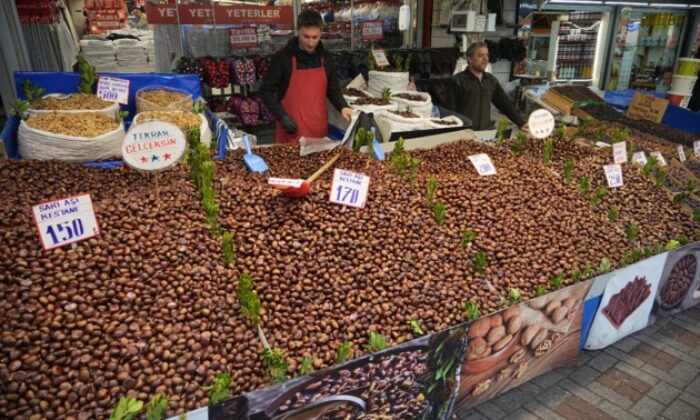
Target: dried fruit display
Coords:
[[678, 282], [491, 335], [577, 93], [410, 97], [73, 101], [81, 124], [624, 302], [164, 97], [445, 122], [183, 120], [353, 92], [371, 101], [405, 114]]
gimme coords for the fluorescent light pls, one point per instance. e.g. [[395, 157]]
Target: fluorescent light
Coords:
[[576, 2], [680, 6], [626, 3]]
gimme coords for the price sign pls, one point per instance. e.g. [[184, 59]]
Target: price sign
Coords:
[[640, 158], [696, 147], [541, 123], [681, 153], [66, 220], [372, 30], [349, 188], [613, 173], [659, 158], [380, 58], [153, 146], [283, 183], [483, 165], [647, 107], [113, 90], [620, 152], [243, 38], [601, 144]]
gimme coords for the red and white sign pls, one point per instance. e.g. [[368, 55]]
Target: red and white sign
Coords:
[[153, 146], [380, 58], [243, 38], [66, 220], [372, 30], [284, 183], [234, 14]]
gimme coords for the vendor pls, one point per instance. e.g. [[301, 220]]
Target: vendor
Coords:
[[301, 77], [477, 90]]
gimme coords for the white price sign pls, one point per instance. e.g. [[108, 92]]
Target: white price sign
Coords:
[[640, 158], [380, 58], [349, 188], [601, 144], [613, 173], [285, 182], [113, 90], [66, 220], [541, 123], [483, 165], [696, 147], [659, 158], [153, 146], [620, 152], [681, 153]]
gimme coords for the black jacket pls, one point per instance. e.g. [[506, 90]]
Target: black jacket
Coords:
[[276, 81], [475, 97]]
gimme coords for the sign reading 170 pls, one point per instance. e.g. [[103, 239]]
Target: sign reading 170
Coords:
[[349, 188]]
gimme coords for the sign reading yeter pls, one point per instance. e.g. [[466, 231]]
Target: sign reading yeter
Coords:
[[483, 165], [113, 90], [349, 188], [66, 220], [372, 30], [243, 38], [613, 173]]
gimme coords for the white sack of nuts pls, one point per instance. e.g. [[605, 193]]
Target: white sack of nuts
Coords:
[[40, 144], [157, 98], [183, 120], [445, 122], [398, 123], [378, 80], [72, 104], [423, 107]]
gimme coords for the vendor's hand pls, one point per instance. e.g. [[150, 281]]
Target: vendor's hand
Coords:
[[288, 124], [347, 113]]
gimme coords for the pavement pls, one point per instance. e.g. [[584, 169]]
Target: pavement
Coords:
[[651, 374]]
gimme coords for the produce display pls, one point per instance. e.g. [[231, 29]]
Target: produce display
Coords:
[[164, 98], [612, 132], [354, 93], [82, 124], [405, 114], [371, 101], [624, 302], [410, 97], [577, 93], [149, 306], [73, 101], [445, 122], [678, 282], [183, 120]]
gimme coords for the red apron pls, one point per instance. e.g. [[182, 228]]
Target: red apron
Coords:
[[305, 102]]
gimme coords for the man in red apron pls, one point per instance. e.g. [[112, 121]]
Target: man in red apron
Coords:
[[300, 78]]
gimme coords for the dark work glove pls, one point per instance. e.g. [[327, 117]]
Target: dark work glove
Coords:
[[288, 124]]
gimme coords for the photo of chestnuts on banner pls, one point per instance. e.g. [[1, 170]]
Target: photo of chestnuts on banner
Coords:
[[679, 287]]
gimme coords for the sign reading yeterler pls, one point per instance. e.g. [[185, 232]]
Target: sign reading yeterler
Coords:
[[153, 146], [646, 107], [66, 220]]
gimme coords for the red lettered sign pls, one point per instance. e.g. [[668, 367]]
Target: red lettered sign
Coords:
[[196, 14], [239, 14], [243, 37], [372, 30], [161, 14]]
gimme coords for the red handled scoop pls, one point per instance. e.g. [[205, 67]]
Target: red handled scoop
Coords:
[[305, 188]]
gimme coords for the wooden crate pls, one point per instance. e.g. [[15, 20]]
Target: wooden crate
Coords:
[[558, 101]]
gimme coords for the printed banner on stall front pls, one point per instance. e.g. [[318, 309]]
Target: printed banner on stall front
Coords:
[[626, 303], [229, 14], [511, 347], [679, 288]]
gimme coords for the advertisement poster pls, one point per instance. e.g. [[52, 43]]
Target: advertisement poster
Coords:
[[513, 346], [626, 303], [679, 288]]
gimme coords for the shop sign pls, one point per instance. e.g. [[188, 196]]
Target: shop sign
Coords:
[[349, 188], [243, 14], [646, 107], [243, 38], [112, 89], [161, 14], [66, 220], [620, 152], [640, 158], [541, 123], [372, 30], [380, 58], [659, 158], [613, 173], [681, 153], [483, 164], [153, 146]]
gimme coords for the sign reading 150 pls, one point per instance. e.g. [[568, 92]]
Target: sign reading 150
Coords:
[[68, 230]]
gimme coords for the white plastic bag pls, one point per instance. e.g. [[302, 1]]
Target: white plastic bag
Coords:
[[185, 104], [398, 123], [395, 81], [431, 124], [423, 108], [204, 130], [111, 110]]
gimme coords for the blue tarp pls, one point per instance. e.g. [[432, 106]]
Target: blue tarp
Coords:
[[621, 98], [682, 119], [57, 82]]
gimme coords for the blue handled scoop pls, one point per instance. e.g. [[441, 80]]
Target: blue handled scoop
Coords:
[[254, 162], [376, 146]]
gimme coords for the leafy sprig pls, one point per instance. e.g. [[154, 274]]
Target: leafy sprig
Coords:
[[377, 342], [248, 299], [467, 238], [430, 192], [439, 212], [127, 408], [306, 366], [568, 171], [480, 262], [227, 249], [274, 361], [220, 389], [613, 214], [157, 407], [415, 327], [343, 352], [471, 310]]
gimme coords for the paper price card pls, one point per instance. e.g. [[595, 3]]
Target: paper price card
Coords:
[[284, 183], [613, 173], [620, 152], [349, 188], [113, 90], [66, 220], [380, 58], [659, 158], [640, 158], [483, 165], [696, 147], [372, 30], [153, 146], [681, 153], [541, 123]]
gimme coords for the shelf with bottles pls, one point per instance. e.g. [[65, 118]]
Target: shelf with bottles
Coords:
[[575, 70]]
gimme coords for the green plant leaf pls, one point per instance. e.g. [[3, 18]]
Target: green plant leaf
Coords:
[[613, 214], [343, 352], [415, 327], [248, 299], [127, 408], [471, 310], [306, 366], [157, 407], [540, 290], [219, 390], [377, 342]]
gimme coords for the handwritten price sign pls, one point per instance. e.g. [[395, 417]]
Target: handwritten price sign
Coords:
[[113, 90], [659, 158], [613, 173], [66, 220], [620, 152], [681, 153], [349, 188], [640, 158], [243, 38], [483, 164], [380, 58]]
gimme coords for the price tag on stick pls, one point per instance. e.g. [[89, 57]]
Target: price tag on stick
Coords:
[[640, 158], [659, 158], [681, 153], [349, 188], [613, 173], [483, 165], [113, 90], [66, 220], [283, 183], [620, 152]]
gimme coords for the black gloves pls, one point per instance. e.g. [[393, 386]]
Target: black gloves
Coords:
[[288, 124]]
